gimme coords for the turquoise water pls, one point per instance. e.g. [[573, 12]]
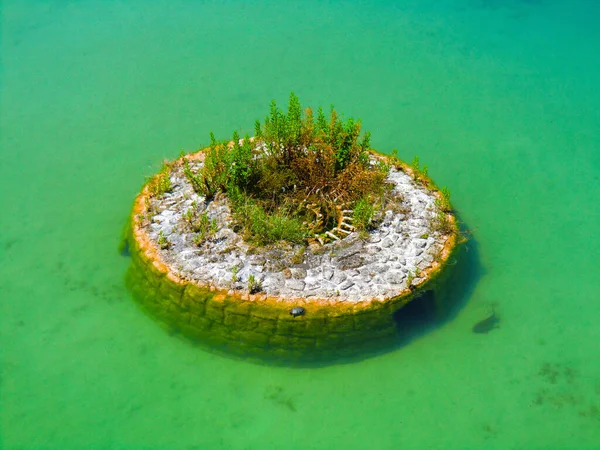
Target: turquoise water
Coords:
[[498, 97]]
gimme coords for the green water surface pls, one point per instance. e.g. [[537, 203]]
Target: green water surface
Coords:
[[499, 98]]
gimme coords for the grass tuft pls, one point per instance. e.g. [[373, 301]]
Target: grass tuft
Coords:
[[363, 214], [160, 184]]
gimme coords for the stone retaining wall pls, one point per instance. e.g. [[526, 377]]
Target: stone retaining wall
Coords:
[[259, 325]]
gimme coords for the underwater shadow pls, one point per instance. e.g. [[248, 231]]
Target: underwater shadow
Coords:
[[423, 314]]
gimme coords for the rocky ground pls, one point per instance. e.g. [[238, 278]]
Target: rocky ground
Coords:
[[378, 265]]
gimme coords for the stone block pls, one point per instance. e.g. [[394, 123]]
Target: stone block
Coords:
[[295, 285], [267, 326], [170, 292], [195, 306], [256, 338], [370, 321], [240, 307], [315, 326], [200, 322], [236, 321], [267, 312], [343, 324], [331, 341], [295, 326], [215, 311], [279, 341], [220, 334]]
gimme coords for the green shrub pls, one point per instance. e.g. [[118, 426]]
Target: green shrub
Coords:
[[415, 163], [298, 257], [201, 224], [242, 165], [289, 183], [442, 224], [161, 183], [162, 241], [215, 174], [194, 179], [444, 203], [363, 214], [254, 285], [281, 227], [263, 229], [394, 156], [409, 279]]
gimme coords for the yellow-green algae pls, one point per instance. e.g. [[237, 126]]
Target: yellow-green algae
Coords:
[[260, 325]]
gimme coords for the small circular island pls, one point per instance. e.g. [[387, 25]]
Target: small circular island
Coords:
[[300, 243]]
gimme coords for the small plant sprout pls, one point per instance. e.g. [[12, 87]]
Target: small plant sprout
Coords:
[[161, 183], [194, 179], [254, 285], [162, 241], [201, 224], [415, 163], [442, 224], [234, 274], [299, 255], [188, 216], [444, 203], [214, 227], [409, 280], [436, 253]]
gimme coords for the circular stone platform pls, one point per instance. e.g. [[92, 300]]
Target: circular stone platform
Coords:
[[225, 292]]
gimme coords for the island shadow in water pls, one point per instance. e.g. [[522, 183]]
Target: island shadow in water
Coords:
[[422, 314]]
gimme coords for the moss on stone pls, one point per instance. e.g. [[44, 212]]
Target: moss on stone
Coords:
[[170, 292], [267, 312], [215, 311], [315, 326], [295, 326], [257, 339], [235, 321], [200, 322], [341, 324], [369, 320], [267, 326]]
